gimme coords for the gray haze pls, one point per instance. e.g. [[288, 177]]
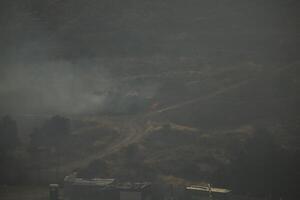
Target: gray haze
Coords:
[[174, 92], [69, 56]]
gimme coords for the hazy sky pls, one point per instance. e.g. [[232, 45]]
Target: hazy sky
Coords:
[[62, 56]]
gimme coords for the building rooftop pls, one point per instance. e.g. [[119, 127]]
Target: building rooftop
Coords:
[[133, 186], [94, 182], [105, 183], [208, 189]]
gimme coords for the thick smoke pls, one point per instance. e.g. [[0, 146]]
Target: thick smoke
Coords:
[[34, 80], [75, 57], [56, 86], [36, 77]]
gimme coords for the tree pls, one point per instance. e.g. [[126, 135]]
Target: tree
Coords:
[[263, 167], [96, 169], [57, 126], [10, 164], [8, 134], [52, 134]]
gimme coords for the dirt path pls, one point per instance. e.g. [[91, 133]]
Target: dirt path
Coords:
[[134, 129], [131, 132]]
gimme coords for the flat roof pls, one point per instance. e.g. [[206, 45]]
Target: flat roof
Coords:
[[208, 189], [133, 186], [94, 182], [107, 183]]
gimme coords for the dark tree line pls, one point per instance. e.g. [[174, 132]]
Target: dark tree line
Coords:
[[8, 134], [10, 168], [52, 134], [15, 163], [262, 167]]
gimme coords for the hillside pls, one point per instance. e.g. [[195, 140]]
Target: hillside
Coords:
[[169, 91], [196, 139]]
